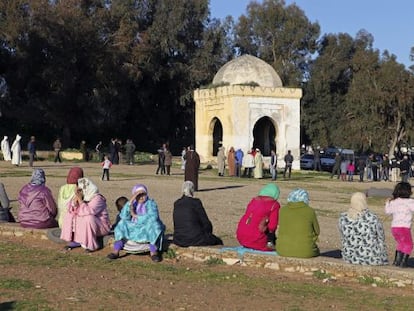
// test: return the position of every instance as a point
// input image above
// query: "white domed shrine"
(246, 107)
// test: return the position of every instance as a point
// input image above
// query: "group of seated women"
(83, 216)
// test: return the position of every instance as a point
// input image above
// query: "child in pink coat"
(401, 207)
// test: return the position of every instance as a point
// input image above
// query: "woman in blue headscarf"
(140, 223)
(298, 227)
(37, 205)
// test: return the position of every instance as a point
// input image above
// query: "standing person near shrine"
(192, 165)
(231, 162)
(258, 164)
(221, 161)
(99, 151)
(168, 157)
(288, 164)
(273, 164)
(248, 163)
(239, 162)
(129, 151)
(31, 148)
(57, 147)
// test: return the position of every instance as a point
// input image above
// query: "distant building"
(248, 108)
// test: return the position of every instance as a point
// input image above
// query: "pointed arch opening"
(217, 135)
(264, 136)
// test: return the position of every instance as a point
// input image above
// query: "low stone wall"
(326, 268)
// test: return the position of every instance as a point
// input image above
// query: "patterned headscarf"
(358, 205)
(38, 177)
(270, 190)
(88, 187)
(74, 174)
(298, 195)
(139, 207)
(188, 188)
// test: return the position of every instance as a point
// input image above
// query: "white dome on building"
(246, 69)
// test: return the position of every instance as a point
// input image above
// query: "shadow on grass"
(9, 305)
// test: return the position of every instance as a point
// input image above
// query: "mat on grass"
(241, 250)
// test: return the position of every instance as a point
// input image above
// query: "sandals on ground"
(155, 258)
(112, 256)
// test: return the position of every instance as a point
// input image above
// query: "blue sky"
(390, 22)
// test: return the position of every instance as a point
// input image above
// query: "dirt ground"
(224, 199)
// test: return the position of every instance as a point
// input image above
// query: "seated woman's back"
(298, 227)
(362, 234)
(37, 205)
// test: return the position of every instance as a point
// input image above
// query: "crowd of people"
(292, 230)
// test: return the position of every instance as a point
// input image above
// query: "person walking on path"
(161, 160)
(16, 150)
(288, 164)
(192, 165)
(57, 147)
(168, 157)
(31, 148)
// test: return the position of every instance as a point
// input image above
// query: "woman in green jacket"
(298, 227)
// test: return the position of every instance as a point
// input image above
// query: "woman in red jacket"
(256, 228)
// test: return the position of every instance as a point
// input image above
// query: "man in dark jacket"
(191, 224)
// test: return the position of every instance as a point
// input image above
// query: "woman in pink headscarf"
(86, 219)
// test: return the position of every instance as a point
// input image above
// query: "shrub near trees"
(92, 70)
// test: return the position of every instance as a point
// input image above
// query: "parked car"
(307, 162)
(327, 162)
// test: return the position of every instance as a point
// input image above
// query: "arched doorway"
(264, 136)
(217, 135)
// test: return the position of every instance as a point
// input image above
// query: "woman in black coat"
(191, 224)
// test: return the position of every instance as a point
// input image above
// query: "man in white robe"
(16, 150)
(5, 149)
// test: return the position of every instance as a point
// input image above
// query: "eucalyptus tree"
(382, 97)
(281, 35)
(323, 104)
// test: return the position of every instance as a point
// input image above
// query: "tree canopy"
(96, 69)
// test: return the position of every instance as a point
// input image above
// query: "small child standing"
(351, 171)
(401, 207)
(106, 165)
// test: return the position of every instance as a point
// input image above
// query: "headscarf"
(38, 177)
(88, 187)
(74, 174)
(188, 188)
(139, 207)
(298, 195)
(358, 205)
(270, 190)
